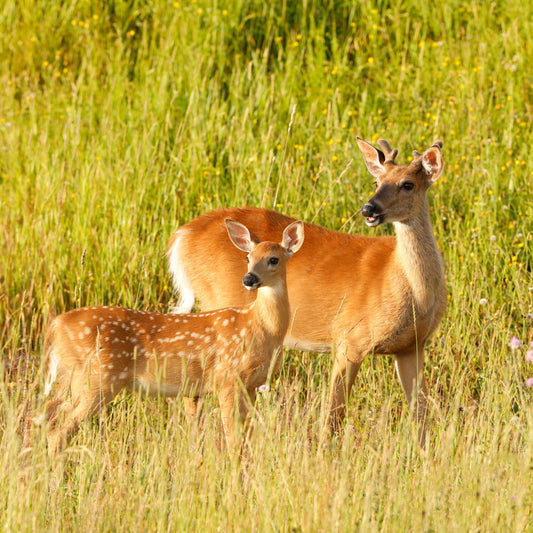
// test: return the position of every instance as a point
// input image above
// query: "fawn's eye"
(273, 261)
(247, 259)
(408, 186)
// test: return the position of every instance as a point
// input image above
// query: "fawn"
(354, 294)
(95, 352)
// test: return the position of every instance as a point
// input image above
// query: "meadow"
(121, 120)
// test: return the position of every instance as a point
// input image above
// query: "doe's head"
(400, 189)
(266, 260)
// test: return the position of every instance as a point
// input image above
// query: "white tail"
(361, 295)
(98, 351)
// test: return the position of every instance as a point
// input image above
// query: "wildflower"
(529, 382)
(529, 356)
(263, 388)
(483, 301)
(515, 343)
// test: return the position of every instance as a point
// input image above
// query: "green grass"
(119, 121)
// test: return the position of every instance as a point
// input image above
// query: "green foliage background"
(121, 120)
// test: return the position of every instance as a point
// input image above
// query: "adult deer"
(354, 294)
(95, 352)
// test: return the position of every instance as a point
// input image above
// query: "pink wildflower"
(515, 343)
(529, 356)
(529, 382)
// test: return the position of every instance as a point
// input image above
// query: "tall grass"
(121, 120)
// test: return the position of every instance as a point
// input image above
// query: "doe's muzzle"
(369, 210)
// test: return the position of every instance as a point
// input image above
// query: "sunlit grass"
(120, 121)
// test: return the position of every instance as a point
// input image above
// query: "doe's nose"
(369, 210)
(250, 281)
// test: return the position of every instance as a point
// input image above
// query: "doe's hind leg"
(343, 376)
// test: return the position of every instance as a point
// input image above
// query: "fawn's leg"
(196, 424)
(228, 399)
(191, 407)
(68, 413)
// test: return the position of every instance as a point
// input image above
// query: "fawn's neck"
(271, 308)
(419, 258)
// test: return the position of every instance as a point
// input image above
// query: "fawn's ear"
(374, 158)
(241, 236)
(293, 237)
(432, 161)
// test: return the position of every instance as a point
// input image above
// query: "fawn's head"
(400, 189)
(266, 260)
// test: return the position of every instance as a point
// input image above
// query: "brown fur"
(98, 351)
(360, 295)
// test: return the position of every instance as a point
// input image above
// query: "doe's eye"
(408, 186)
(273, 261)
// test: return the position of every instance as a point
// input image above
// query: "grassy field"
(121, 120)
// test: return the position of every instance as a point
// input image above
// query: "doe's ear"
(374, 158)
(293, 236)
(432, 162)
(241, 236)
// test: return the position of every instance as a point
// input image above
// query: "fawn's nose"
(251, 281)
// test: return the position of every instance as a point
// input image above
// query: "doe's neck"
(418, 256)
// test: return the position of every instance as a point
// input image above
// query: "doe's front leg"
(410, 369)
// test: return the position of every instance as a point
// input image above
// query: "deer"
(352, 295)
(95, 352)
